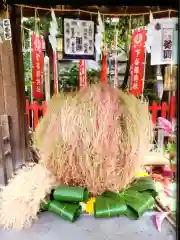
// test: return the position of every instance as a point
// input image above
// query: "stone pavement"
(87, 227)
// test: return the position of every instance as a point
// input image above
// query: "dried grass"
(95, 139)
(21, 198)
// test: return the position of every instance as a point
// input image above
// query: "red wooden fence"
(167, 111)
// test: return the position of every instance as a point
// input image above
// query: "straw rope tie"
(95, 13)
(63, 209)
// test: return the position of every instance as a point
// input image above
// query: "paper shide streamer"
(53, 30)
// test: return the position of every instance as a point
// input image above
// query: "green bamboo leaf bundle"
(107, 207)
(144, 184)
(139, 197)
(137, 202)
(71, 194)
(68, 211)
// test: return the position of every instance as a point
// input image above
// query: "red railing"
(37, 111)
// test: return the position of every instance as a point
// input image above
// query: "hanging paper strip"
(116, 72)
(37, 66)
(47, 78)
(116, 60)
(55, 73)
(110, 69)
(104, 68)
(82, 74)
(137, 61)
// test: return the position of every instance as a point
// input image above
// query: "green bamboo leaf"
(131, 214)
(113, 195)
(139, 197)
(44, 206)
(71, 194)
(108, 207)
(69, 211)
(139, 202)
(144, 184)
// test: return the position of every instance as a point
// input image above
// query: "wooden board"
(6, 166)
(156, 158)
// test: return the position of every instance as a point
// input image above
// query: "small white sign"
(164, 43)
(7, 29)
(78, 37)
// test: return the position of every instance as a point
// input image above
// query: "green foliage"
(150, 92)
(124, 25)
(69, 79)
(30, 24)
(42, 25)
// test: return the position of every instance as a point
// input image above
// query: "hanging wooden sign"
(137, 61)
(79, 38)
(82, 74)
(37, 66)
(164, 49)
(7, 29)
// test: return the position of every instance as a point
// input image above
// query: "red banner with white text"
(37, 65)
(82, 74)
(137, 61)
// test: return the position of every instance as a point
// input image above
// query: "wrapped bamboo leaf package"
(71, 194)
(106, 207)
(69, 211)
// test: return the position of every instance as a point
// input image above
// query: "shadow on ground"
(50, 226)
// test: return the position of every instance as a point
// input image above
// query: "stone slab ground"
(52, 227)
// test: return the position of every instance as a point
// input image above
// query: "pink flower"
(165, 124)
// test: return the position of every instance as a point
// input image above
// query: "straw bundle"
(20, 200)
(95, 139)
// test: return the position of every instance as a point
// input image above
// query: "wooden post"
(18, 109)
(172, 110)
(164, 109)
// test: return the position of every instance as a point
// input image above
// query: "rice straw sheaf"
(95, 139)
(21, 198)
